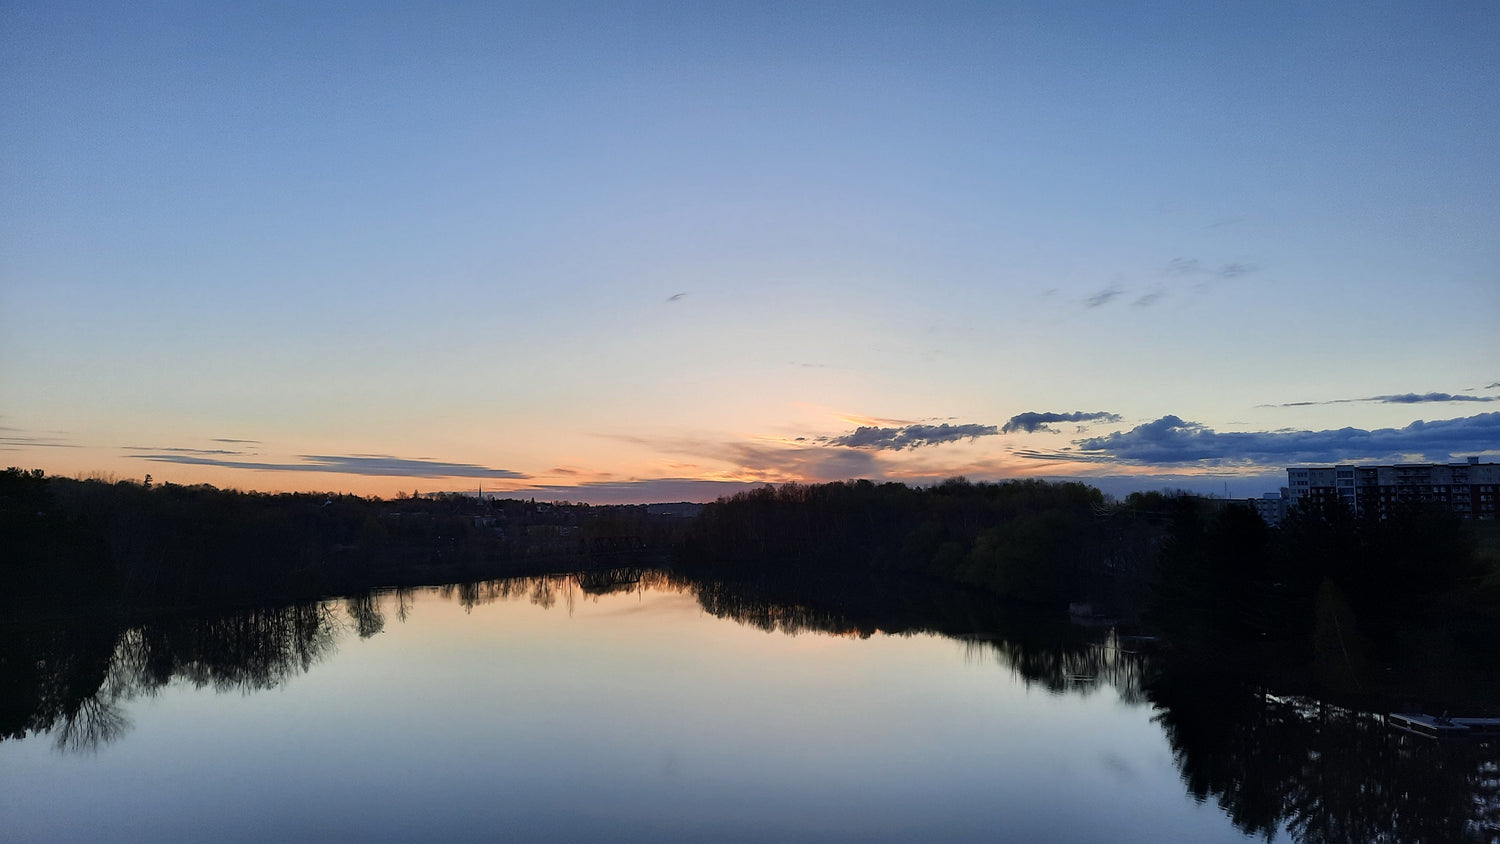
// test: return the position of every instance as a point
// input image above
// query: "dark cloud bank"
(1171, 441)
(909, 436)
(1033, 422)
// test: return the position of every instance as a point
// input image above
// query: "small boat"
(1442, 726)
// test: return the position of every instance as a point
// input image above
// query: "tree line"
(66, 541)
(1326, 587)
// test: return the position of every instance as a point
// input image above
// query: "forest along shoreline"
(1405, 607)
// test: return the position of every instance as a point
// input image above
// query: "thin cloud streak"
(376, 465)
(37, 442)
(180, 450)
(1397, 398)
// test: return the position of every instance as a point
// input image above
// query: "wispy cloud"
(1397, 398)
(1171, 441)
(1191, 267)
(779, 463)
(1033, 422)
(1063, 455)
(1183, 266)
(1103, 297)
(1146, 300)
(240, 442)
(381, 465)
(37, 442)
(908, 436)
(182, 450)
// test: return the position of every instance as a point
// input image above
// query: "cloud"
(380, 465)
(1103, 296)
(183, 450)
(229, 440)
(779, 463)
(1064, 455)
(1183, 266)
(1172, 441)
(908, 436)
(1033, 422)
(1235, 270)
(36, 442)
(769, 460)
(1398, 398)
(1148, 299)
(1187, 267)
(1413, 398)
(676, 297)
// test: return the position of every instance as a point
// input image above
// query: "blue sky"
(617, 251)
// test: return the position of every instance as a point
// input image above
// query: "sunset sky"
(654, 252)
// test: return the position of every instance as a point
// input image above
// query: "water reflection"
(1318, 771)
(71, 680)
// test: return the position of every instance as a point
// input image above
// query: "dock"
(1440, 726)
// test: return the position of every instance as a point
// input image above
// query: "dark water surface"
(631, 705)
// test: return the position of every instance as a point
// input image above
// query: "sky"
(628, 252)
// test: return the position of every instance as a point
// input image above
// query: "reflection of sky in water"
(631, 715)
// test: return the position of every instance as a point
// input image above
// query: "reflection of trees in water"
(1072, 667)
(1040, 650)
(95, 722)
(1322, 772)
(60, 681)
(724, 600)
(541, 590)
(242, 651)
(72, 682)
(364, 611)
(546, 590)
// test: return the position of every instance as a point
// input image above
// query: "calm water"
(537, 710)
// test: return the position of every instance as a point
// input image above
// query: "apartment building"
(1471, 489)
